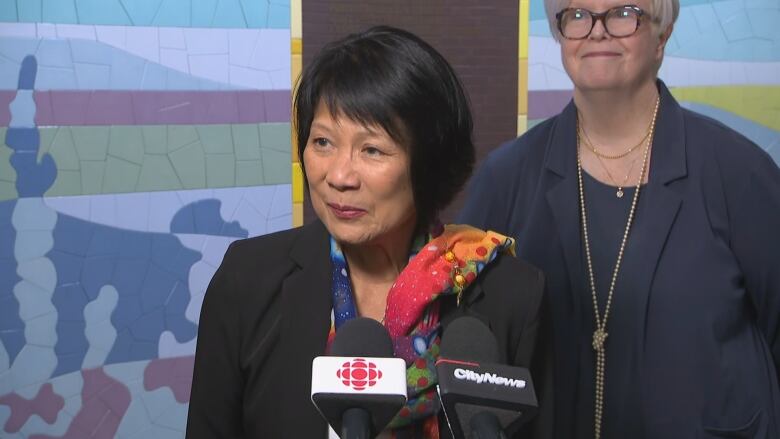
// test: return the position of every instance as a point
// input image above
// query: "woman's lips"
(346, 212)
(600, 54)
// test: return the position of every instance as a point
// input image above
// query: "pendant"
(619, 192)
(599, 337)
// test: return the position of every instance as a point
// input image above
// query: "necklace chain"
(621, 185)
(592, 147)
(600, 333)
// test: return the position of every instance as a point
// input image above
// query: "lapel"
(658, 205)
(563, 199)
(306, 306)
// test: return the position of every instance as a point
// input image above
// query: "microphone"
(482, 399)
(359, 388)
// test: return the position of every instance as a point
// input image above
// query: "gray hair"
(664, 13)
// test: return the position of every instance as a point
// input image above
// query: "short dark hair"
(391, 78)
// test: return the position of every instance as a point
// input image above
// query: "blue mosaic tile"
(203, 13)
(98, 272)
(256, 13)
(29, 11)
(8, 12)
(27, 73)
(55, 11)
(175, 13)
(157, 286)
(204, 217)
(110, 12)
(11, 325)
(142, 11)
(70, 299)
(134, 245)
(229, 14)
(72, 239)
(148, 329)
(279, 15)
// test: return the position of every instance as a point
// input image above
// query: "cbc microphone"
(482, 399)
(359, 387)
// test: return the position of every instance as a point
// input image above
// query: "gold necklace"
(600, 333)
(620, 186)
(620, 155)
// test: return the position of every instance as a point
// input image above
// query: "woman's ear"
(663, 38)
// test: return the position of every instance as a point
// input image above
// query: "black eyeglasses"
(619, 22)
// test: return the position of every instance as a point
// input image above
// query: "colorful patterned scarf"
(446, 265)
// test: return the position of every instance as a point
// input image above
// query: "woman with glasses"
(658, 230)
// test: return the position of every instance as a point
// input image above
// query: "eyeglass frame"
(602, 16)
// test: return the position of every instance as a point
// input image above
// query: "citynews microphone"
(482, 399)
(359, 387)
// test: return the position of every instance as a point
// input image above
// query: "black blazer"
(266, 315)
(703, 257)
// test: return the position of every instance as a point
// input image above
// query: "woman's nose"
(599, 30)
(342, 173)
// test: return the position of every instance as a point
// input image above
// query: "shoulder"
(258, 266)
(260, 249)
(732, 150)
(529, 148)
(511, 294)
(512, 280)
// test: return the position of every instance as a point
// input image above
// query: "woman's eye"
(373, 151)
(320, 141)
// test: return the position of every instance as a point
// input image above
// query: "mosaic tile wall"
(139, 138)
(723, 60)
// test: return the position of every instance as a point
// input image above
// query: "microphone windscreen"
(469, 339)
(362, 337)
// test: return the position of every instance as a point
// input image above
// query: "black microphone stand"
(356, 424)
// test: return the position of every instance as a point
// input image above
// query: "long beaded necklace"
(600, 333)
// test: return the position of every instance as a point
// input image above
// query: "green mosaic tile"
(62, 148)
(275, 136)
(47, 136)
(92, 177)
(155, 139)
(121, 176)
(221, 170)
(249, 173)
(181, 135)
(7, 172)
(216, 139)
(126, 142)
(157, 174)
(67, 183)
(246, 142)
(8, 191)
(189, 163)
(121, 159)
(276, 167)
(91, 142)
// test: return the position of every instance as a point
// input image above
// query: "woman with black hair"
(384, 133)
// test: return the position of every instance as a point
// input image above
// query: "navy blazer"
(703, 257)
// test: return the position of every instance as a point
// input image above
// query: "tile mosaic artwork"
(137, 143)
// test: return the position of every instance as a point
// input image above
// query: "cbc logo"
(359, 374)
